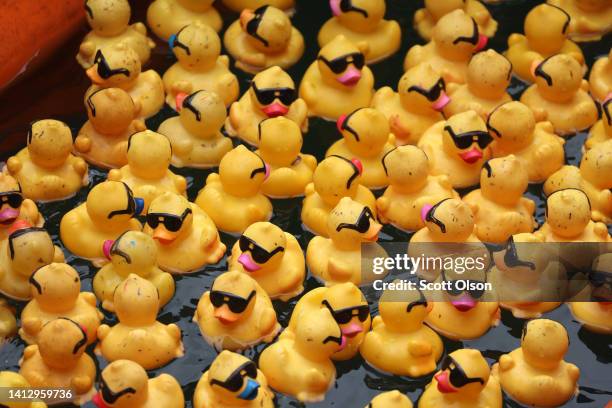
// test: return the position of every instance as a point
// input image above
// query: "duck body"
(600, 83)
(167, 17)
(595, 316)
(590, 20)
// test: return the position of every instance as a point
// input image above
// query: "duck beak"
(225, 316)
(334, 5)
(372, 233)
(534, 66)
(274, 110)
(464, 303)
(248, 263)
(98, 401)
(8, 215)
(471, 156)
(246, 16)
(444, 385)
(178, 100)
(482, 42)
(92, 73)
(350, 77)
(106, 248)
(267, 171)
(163, 236)
(351, 330)
(441, 102)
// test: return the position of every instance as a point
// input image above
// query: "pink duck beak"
(334, 5)
(106, 248)
(248, 263)
(274, 110)
(425, 210)
(8, 215)
(482, 42)
(350, 77)
(471, 156)
(441, 102)
(444, 385)
(352, 330)
(464, 303)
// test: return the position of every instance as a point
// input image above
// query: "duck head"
(61, 343)
(365, 131)
(465, 137)
(234, 377)
(202, 113)
(267, 28)
(262, 247)
(440, 8)
(317, 335)
(512, 124)
(149, 154)
(390, 399)
(55, 287)
(233, 296)
(457, 36)
(404, 310)
(558, 78)
(116, 66)
(546, 28)
(336, 177)
(521, 256)
(450, 220)
(544, 343)
(29, 248)
(504, 180)
(350, 223)
(568, 212)
(111, 110)
(596, 165)
(111, 205)
(272, 92)
(489, 74)
(196, 46)
(123, 384)
(11, 199)
(108, 18)
(242, 172)
(463, 371)
(422, 89)
(132, 251)
(407, 168)
(358, 15)
(136, 301)
(340, 63)
(49, 143)
(280, 141)
(349, 308)
(170, 217)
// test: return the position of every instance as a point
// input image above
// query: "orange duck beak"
(163, 236)
(225, 316)
(92, 73)
(372, 233)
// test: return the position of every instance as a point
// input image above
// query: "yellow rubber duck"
(16, 381)
(56, 290)
(411, 186)
(400, 343)
(113, 117)
(590, 19)
(448, 220)
(365, 136)
(139, 336)
(233, 381)
(535, 145)
(300, 365)
(239, 5)
(132, 252)
(338, 82)
(390, 399)
(168, 17)
(499, 208)
(147, 173)
(560, 95)
(425, 19)
(107, 213)
(454, 39)
(561, 227)
(458, 147)
(118, 66)
(187, 238)
(362, 22)
(527, 276)
(233, 197)
(348, 307)
(236, 313)
(14, 206)
(124, 384)
(595, 314)
(488, 76)
(337, 259)
(464, 381)
(272, 257)
(417, 104)
(59, 360)
(46, 169)
(8, 324)
(592, 177)
(195, 134)
(335, 177)
(199, 66)
(272, 93)
(263, 38)
(600, 82)
(110, 24)
(546, 34)
(602, 129)
(535, 373)
(22, 253)
(280, 143)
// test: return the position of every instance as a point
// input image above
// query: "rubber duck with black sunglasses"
(236, 314)
(14, 206)
(167, 17)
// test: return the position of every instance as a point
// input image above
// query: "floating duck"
(366, 137)
(272, 93)
(263, 38)
(337, 259)
(118, 66)
(14, 206)
(464, 381)
(300, 365)
(24, 251)
(59, 360)
(362, 22)
(45, 169)
(108, 212)
(600, 83)
(56, 290)
(103, 139)
(335, 177)
(454, 39)
(499, 208)
(458, 147)
(8, 324)
(592, 177)
(139, 336)
(200, 66)
(425, 19)
(535, 373)
(233, 197)
(602, 130)
(449, 220)
(186, 236)
(545, 35)
(233, 380)
(390, 399)
(411, 186)
(488, 76)
(348, 307)
(110, 24)
(167, 17)
(123, 384)
(561, 227)
(400, 343)
(272, 257)
(280, 143)
(416, 105)
(132, 252)
(560, 95)
(535, 145)
(590, 19)
(338, 82)
(9, 379)
(195, 134)
(236, 313)
(146, 174)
